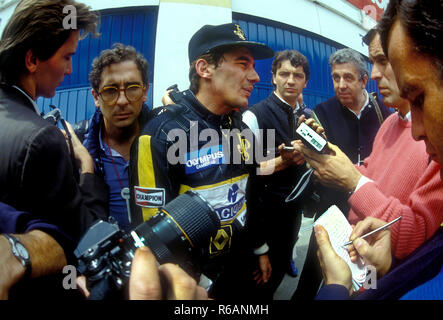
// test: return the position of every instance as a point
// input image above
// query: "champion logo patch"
(149, 197)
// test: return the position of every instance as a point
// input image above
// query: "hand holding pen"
(383, 227)
(375, 249)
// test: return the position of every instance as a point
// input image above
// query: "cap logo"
(239, 32)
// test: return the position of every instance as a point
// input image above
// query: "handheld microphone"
(53, 116)
(312, 139)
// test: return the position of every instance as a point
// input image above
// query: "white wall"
(108, 4)
(4, 16)
(313, 17)
(176, 24)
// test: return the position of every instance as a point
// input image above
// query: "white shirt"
(366, 104)
(30, 99)
(250, 119)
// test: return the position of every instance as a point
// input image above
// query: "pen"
(374, 231)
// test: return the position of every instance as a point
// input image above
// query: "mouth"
(344, 95)
(430, 151)
(122, 116)
(384, 91)
(248, 91)
(436, 158)
(433, 156)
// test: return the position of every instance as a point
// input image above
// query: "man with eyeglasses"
(119, 80)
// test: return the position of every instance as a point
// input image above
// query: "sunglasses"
(110, 94)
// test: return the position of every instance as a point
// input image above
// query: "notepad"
(339, 231)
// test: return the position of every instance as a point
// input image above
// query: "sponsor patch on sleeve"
(203, 159)
(149, 197)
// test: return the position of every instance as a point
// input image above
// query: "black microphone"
(53, 116)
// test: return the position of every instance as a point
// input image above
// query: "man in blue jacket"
(352, 118)
(119, 80)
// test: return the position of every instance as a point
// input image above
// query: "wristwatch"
(21, 253)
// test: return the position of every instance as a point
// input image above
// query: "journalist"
(36, 172)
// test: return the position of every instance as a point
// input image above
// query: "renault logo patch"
(222, 241)
(149, 197)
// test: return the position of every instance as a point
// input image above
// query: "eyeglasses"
(110, 94)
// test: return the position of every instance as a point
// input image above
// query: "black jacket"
(272, 113)
(273, 217)
(36, 173)
(352, 135)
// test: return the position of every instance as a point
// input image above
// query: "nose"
(253, 76)
(418, 129)
(69, 68)
(122, 100)
(375, 73)
(342, 83)
(291, 79)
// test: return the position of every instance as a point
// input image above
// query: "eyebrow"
(289, 71)
(125, 83)
(343, 75)
(245, 58)
(378, 56)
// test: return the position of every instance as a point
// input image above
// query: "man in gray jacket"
(36, 172)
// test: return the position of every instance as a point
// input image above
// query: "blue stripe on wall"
(280, 37)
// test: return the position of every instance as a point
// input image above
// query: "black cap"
(210, 37)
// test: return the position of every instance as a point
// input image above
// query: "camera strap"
(71, 148)
(301, 186)
(125, 190)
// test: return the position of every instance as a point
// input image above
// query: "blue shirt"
(117, 205)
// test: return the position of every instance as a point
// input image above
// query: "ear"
(306, 83)
(365, 80)
(96, 98)
(203, 69)
(273, 80)
(145, 94)
(31, 61)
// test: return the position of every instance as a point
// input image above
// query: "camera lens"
(179, 228)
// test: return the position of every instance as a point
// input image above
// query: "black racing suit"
(218, 172)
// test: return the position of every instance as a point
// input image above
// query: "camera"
(175, 94)
(312, 139)
(53, 116)
(179, 233)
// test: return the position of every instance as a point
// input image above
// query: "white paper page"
(339, 231)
